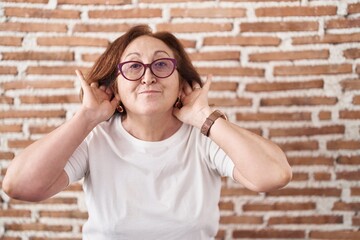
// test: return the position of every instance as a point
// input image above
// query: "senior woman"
(149, 148)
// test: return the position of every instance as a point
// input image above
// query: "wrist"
(210, 120)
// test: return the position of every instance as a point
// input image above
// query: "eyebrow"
(156, 52)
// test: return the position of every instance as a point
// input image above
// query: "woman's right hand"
(97, 103)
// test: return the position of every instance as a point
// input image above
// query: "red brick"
(17, 213)
(300, 146)
(295, 11)
(350, 84)
(321, 192)
(276, 116)
(279, 206)
(354, 8)
(281, 86)
(41, 13)
(307, 131)
(204, 12)
(353, 160)
(327, 161)
(20, 143)
(237, 192)
(215, 56)
(325, 115)
(242, 41)
(352, 53)
(343, 144)
(348, 114)
(33, 114)
(6, 100)
(279, 26)
(226, 206)
(224, 86)
(348, 175)
(339, 234)
(313, 219)
(10, 41)
(38, 84)
(41, 129)
(327, 38)
(118, 28)
(342, 23)
(126, 13)
(32, 27)
(356, 100)
(226, 102)
(298, 101)
(90, 57)
(6, 155)
(8, 70)
(312, 70)
(50, 99)
(95, 2)
(346, 206)
(37, 227)
(231, 71)
(30, 55)
(289, 55)
(269, 233)
(355, 191)
(27, 1)
(194, 27)
(64, 214)
(322, 176)
(10, 128)
(49, 70)
(240, 220)
(72, 41)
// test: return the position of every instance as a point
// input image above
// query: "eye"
(135, 66)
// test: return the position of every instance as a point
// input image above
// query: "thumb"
(207, 84)
(84, 84)
(115, 101)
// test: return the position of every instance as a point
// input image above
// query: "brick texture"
(285, 69)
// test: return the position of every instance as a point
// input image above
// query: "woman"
(149, 147)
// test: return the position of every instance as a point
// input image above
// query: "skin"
(37, 173)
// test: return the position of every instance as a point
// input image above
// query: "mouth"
(149, 92)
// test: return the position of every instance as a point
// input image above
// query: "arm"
(260, 165)
(38, 172)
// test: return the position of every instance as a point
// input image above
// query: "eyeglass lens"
(161, 68)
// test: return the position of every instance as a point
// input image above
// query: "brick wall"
(285, 69)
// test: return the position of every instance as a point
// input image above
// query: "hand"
(97, 103)
(195, 108)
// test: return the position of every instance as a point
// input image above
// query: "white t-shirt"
(137, 189)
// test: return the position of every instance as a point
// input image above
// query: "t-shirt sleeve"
(77, 165)
(219, 160)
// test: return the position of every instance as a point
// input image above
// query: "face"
(150, 94)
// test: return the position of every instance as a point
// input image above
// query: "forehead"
(147, 46)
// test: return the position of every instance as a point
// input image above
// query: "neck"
(151, 128)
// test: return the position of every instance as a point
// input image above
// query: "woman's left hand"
(195, 107)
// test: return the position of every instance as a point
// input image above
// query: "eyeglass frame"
(147, 65)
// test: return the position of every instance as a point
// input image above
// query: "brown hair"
(105, 71)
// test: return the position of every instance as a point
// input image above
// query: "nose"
(148, 77)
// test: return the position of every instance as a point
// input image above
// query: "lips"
(149, 91)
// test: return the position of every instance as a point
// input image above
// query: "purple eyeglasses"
(135, 70)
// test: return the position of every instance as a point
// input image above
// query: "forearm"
(39, 166)
(259, 163)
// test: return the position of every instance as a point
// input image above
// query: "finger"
(94, 84)
(196, 86)
(187, 88)
(207, 84)
(84, 84)
(115, 101)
